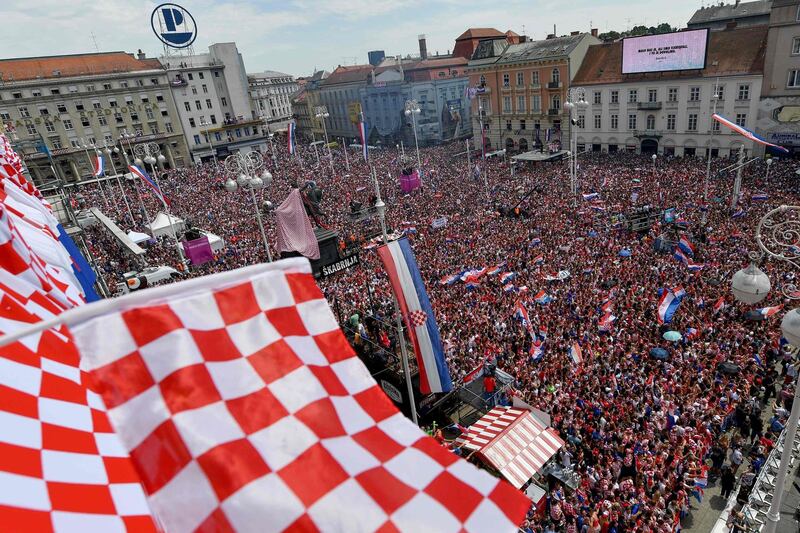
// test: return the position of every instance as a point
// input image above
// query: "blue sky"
(295, 36)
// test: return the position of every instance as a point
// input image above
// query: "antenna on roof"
(94, 40)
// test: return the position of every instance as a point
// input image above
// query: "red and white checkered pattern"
(417, 318)
(62, 468)
(512, 441)
(243, 407)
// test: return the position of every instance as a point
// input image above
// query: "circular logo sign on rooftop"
(173, 25)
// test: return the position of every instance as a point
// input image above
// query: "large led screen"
(683, 50)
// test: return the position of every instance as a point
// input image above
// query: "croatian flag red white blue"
(667, 306)
(686, 245)
(291, 138)
(741, 130)
(575, 354)
(406, 280)
(99, 168)
(362, 131)
(144, 176)
(767, 312)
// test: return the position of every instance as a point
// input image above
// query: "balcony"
(648, 133)
(535, 86)
(648, 106)
(554, 112)
(554, 85)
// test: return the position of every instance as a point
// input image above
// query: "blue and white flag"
(423, 332)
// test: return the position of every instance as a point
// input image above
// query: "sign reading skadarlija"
(173, 25)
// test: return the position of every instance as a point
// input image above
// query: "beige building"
(779, 109)
(271, 97)
(64, 102)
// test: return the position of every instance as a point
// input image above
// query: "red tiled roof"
(735, 51)
(30, 68)
(480, 33)
(348, 74)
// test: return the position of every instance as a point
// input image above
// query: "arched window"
(651, 122)
(556, 104)
(556, 77)
(483, 80)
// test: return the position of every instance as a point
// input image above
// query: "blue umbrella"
(624, 253)
(672, 336)
(592, 233)
(659, 353)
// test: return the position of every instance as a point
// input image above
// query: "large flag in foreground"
(409, 289)
(241, 405)
(741, 130)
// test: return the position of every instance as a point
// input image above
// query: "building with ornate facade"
(61, 103)
(271, 97)
(670, 112)
(521, 87)
(212, 95)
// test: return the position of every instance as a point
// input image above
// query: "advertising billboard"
(683, 50)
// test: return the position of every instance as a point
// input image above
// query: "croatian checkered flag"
(243, 408)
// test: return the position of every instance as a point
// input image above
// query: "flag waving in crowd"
(145, 177)
(99, 168)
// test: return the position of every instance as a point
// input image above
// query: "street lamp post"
(346, 157)
(576, 100)
(205, 124)
(654, 157)
(412, 110)
(108, 152)
(151, 154)
(750, 285)
(485, 170)
(321, 112)
(737, 183)
(265, 118)
(91, 165)
(769, 165)
(125, 136)
(715, 98)
(246, 167)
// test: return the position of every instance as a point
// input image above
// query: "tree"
(609, 36)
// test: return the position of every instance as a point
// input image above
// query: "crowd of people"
(643, 433)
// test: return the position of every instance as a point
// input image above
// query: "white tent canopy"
(161, 225)
(137, 237)
(215, 241)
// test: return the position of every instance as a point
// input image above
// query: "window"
(191, 77)
(108, 139)
(631, 122)
(522, 124)
(216, 74)
(168, 127)
(796, 46)
(536, 103)
(135, 117)
(96, 105)
(614, 97)
(506, 80)
(694, 94)
(144, 99)
(128, 100)
(714, 125)
(106, 86)
(85, 122)
(597, 122)
(16, 95)
(208, 103)
(198, 105)
(23, 112)
(92, 141)
(692, 122)
(56, 142)
(123, 84)
(55, 91)
(153, 81)
(741, 119)
(556, 76)
(44, 111)
(535, 77)
(196, 139)
(213, 119)
(238, 132)
(633, 96)
(506, 104)
(102, 120)
(720, 90)
(520, 104)
(482, 81)
(651, 122)
(159, 97)
(520, 78)
(205, 88)
(218, 136)
(79, 106)
(50, 127)
(794, 78)
(62, 108)
(508, 125)
(90, 88)
(200, 75)
(556, 102)
(118, 118)
(194, 89)
(652, 95)
(597, 97)
(31, 129)
(671, 122)
(164, 113)
(191, 122)
(4, 115)
(672, 94)
(188, 106)
(36, 92)
(582, 121)
(112, 103)
(140, 83)
(67, 124)
(744, 92)
(149, 113)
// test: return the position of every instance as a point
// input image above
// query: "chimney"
(140, 54)
(574, 33)
(551, 36)
(594, 32)
(423, 47)
(730, 25)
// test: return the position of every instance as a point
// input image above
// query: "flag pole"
(381, 208)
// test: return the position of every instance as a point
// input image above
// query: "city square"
(530, 284)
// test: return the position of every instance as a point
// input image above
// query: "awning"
(513, 442)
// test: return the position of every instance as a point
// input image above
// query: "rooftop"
(545, 49)
(480, 33)
(348, 74)
(731, 11)
(730, 52)
(269, 74)
(31, 68)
